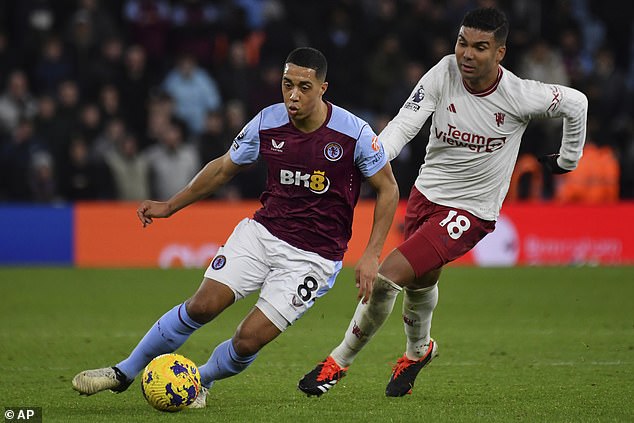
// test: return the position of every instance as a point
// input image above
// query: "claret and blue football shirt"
(313, 179)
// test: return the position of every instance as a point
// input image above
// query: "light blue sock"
(224, 362)
(168, 333)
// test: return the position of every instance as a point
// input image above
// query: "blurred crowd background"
(128, 99)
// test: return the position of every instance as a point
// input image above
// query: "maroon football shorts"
(436, 235)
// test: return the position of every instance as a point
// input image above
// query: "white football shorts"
(289, 279)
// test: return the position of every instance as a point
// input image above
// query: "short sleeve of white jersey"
(245, 148)
(369, 154)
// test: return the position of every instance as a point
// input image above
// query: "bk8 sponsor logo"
(316, 182)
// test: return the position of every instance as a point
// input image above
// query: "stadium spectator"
(129, 169)
(607, 92)
(213, 143)
(90, 122)
(268, 87)
(68, 107)
(16, 161)
(421, 26)
(106, 68)
(48, 129)
(477, 126)
(16, 102)
(401, 86)
(110, 102)
(543, 63)
(250, 183)
(384, 63)
(100, 17)
(111, 136)
(194, 92)
(82, 177)
(193, 29)
(271, 252)
(342, 43)
(236, 115)
(148, 23)
(52, 67)
(160, 114)
(215, 139)
(136, 84)
(30, 23)
(577, 62)
(385, 18)
(42, 181)
(236, 78)
(82, 43)
(173, 162)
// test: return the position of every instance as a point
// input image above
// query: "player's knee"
(397, 269)
(200, 311)
(246, 345)
(426, 280)
(384, 285)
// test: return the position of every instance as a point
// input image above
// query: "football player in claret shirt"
(480, 111)
(291, 250)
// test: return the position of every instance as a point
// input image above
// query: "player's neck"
(314, 121)
(482, 84)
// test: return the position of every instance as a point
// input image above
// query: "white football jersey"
(475, 137)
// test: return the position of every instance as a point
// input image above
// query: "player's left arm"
(387, 196)
(572, 106)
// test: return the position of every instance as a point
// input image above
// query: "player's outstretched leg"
(366, 321)
(90, 382)
(405, 371)
(322, 378)
(165, 336)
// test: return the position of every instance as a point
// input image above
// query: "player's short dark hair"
(488, 19)
(308, 57)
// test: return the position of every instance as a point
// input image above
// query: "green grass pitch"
(516, 344)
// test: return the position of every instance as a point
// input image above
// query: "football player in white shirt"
(480, 112)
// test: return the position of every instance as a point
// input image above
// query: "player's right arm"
(415, 111)
(243, 152)
(215, 174)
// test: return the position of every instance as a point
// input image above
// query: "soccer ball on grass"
(170, 382)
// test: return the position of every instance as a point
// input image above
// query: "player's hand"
(148, 209)
(549, 161)
(365, 273)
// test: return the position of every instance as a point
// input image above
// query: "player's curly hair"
(488, 19)
(308, 57)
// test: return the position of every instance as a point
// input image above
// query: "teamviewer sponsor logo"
(474, 142)
(23, 414)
